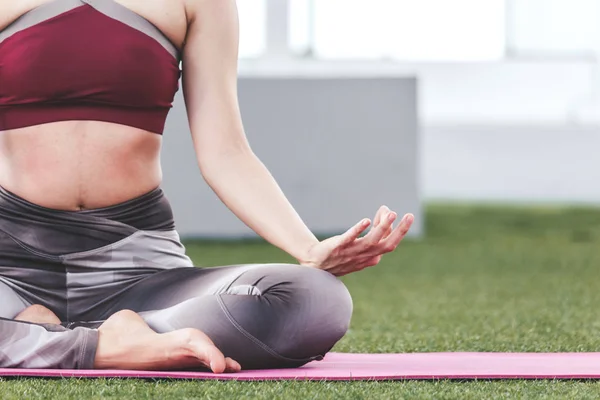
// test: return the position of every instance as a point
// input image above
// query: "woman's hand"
(346, 253)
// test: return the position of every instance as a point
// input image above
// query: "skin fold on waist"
(78, 165)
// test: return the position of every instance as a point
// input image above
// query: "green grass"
(484, 279)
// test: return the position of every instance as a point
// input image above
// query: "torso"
(75, 165)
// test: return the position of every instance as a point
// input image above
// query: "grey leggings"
(85, 266)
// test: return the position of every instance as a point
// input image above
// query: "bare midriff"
(78, 165)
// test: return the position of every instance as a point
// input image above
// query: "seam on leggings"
(82, 351)
(68, 256)
(231, 282)
(255, 340)
(9, 285)
(30, 250)
(227, 285)
(111, 246)
(88, 336)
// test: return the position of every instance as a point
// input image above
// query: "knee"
(297, 288)
(324, 295)
(319, 314)
(38, 314)
(282, 315)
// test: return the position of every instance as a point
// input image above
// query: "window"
(553, 26)
(253, 25)
(427, 30)
(301, 29)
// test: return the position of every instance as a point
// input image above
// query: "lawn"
(484, 279)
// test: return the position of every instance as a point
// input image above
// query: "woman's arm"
(225, 158)
(232, 170)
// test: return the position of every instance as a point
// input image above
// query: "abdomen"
(78, 165)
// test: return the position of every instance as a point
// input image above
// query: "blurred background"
(482, 117)
(356, 103)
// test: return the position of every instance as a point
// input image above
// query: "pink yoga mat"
(338, 366)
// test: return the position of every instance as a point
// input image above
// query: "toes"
(205, 351)
(232, 365)
(216, 360)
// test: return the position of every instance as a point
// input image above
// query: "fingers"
(382, 227)
(383, 238)
(380, 231)
(380, 213)
(388, 233)
(392, 241)
(362, 263)
(360, 253)
(353, 233)
(371, 262)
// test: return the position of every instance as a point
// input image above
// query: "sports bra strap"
(109, 8)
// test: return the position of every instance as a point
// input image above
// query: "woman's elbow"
(214, 158)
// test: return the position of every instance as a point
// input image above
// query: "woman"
(92, 273)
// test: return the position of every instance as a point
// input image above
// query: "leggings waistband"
(56, 232)
(151, 211)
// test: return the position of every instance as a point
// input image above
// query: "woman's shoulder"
(10, 10)
(205, 8)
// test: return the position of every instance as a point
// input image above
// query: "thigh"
(161, 290)
(192, 298)
(264, 315)
(171, 287)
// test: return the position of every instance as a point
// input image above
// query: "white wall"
(514, 92)
(511, 164)
(339, 148)
(508, 92)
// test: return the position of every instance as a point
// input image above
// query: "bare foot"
(38, 314)
(127, 342)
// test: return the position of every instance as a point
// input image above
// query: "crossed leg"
(263, 316)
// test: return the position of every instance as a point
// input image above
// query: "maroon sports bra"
(86, 60)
